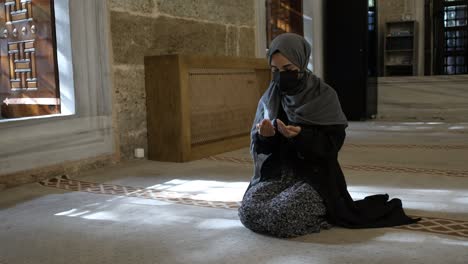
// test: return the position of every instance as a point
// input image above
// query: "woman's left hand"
(288, 131)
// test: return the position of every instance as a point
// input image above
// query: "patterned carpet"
(68, 184)
(363, 167)
(408, 146)
(450, 227)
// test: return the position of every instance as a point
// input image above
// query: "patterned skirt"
(285, 207)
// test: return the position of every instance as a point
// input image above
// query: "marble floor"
(153, 212)
(425, 98)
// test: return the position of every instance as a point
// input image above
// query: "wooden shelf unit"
(400, 48)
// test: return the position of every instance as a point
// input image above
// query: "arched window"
(84, 127)
(451, 36)
(283, 16)
(29, 83)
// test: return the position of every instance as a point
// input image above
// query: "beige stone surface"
(71, 169)
(130, 107)
(392, 9)
(237, 12)
(247, 35)
(137, 36)
(232, 40)
(143, 6)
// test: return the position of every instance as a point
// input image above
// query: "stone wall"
(156, 27)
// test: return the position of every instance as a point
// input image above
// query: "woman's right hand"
(266, 128)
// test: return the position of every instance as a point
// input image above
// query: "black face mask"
(289, 81)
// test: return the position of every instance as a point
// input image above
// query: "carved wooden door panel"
(29, 79)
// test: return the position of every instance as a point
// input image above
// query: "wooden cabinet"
(400, 48)
(199, 106)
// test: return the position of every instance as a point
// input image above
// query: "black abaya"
(313, 156)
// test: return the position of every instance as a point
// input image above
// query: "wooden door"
(28, 68)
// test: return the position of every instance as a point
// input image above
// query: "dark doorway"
(350, 55)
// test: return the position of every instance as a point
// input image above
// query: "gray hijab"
(315, 103)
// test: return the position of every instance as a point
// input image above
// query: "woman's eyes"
(276, 70)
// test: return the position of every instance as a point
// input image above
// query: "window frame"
(89, 131)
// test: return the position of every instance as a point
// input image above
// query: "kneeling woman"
(298, 186)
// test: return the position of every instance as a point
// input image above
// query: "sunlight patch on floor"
(205, 190)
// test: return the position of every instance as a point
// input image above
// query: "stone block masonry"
(155, 27)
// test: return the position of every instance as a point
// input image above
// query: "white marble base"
(425, 98)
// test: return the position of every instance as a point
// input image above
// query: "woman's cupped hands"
(267, 129)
